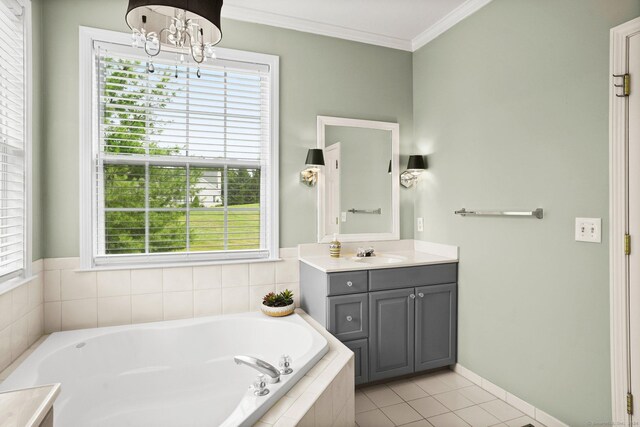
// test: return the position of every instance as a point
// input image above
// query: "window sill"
(134, 266)
(14, 283)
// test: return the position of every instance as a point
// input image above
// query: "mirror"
(358, 188)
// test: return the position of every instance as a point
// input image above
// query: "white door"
(634, 221)
(332, 185)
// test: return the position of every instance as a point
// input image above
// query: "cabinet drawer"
(395, 278)
(361, 360)
(350, 282)
(348, 316)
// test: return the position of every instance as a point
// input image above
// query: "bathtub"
(173, 373)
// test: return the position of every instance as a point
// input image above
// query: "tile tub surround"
(21, 317)
(413, 252)
(76, 299)
(322, 398)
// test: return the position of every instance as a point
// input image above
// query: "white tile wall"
(74, 299)
(21, 317)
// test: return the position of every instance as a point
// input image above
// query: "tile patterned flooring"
(439, 399)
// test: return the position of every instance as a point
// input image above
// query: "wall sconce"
(315, 159)
(415, 167)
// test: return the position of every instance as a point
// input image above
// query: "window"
(184, 165)
(13, 140)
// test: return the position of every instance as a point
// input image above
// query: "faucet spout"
(272, 374)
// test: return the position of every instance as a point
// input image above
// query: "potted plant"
(278, 305)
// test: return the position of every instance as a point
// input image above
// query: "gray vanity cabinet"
(391, 335)
(436, 321)
(396, 320)
(360, 350)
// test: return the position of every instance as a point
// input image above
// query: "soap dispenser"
(334, 247)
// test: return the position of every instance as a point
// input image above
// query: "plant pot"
(278, 311)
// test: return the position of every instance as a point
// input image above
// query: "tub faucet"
(272, 375)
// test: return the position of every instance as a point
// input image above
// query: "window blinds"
(12, 140)
(181, 160)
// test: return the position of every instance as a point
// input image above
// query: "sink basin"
(379, 259)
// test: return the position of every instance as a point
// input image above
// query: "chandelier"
(191, 26)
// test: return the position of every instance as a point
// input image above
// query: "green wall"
(318, 76)
(37, 145)
(511, 106)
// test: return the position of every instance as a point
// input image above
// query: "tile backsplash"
(85, 299)
(21, 317)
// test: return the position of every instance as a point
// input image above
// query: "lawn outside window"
(183, 168)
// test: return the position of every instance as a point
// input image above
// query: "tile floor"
(440, 399)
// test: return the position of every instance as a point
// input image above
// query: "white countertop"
(392, 255)
(27, 407)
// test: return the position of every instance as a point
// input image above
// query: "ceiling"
(400, 24)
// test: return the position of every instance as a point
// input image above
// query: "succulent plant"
(282, 299)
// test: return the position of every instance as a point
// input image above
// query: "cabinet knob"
(349, 283)
(349, 318)
(412, 296)
(421, 295)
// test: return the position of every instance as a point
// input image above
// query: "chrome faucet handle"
(260, 386)
(285, 364)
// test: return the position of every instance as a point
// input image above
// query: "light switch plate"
(589, 230)
(344, 216)
(420, 224)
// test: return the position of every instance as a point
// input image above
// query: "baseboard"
(513, 400)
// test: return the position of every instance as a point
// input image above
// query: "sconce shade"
(158, 14)
(416, 163)
(315, 157)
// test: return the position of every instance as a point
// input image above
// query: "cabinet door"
(361, 360)
(391, 333)
(435, 326)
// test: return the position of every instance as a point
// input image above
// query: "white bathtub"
(175, 373)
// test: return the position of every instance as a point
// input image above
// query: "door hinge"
(629, 403)
(625, 86)
(627, 244)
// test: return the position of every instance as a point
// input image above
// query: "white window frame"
(88, 114)
(22, 276)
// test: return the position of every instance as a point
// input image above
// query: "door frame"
(333, 147)
(618, 213)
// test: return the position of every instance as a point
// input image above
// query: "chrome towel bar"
(366, 211)
(538, 213)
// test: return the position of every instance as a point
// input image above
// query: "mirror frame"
(395, 179)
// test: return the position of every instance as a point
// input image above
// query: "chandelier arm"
(193, 56)
(146, 50)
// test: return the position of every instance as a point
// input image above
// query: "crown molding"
(276, 20)
(308, 26)
(452, 18)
